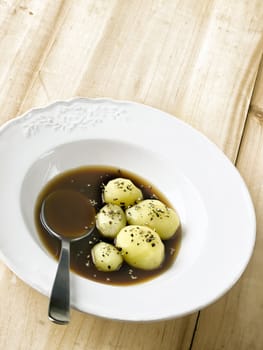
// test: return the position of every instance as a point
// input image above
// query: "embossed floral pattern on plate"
(72, 115)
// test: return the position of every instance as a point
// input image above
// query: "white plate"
(210, 196)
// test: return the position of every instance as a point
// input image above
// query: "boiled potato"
(110, 220)
(106, 257)
(122, 192)
(156, 215)
(140, 246)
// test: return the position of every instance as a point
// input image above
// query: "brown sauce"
(68, 213)
(90, 181)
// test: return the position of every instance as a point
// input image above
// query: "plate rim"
(15, 120)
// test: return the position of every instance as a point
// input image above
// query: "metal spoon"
(69, 216)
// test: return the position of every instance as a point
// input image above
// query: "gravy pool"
(90, 180)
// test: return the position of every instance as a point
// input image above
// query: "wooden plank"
(195, 71)
(235, 321)
(27, 32)
(194, 59)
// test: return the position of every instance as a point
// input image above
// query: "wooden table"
(198, 60)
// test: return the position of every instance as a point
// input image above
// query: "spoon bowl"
(69, 216)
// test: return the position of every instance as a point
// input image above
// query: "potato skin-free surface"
(156, 215)
(110, 220)
(141, 247)
(122, 192)
(106, 257)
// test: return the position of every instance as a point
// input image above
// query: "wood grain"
(235, 321)
(195, 59)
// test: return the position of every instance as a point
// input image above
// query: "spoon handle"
(59, 305)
